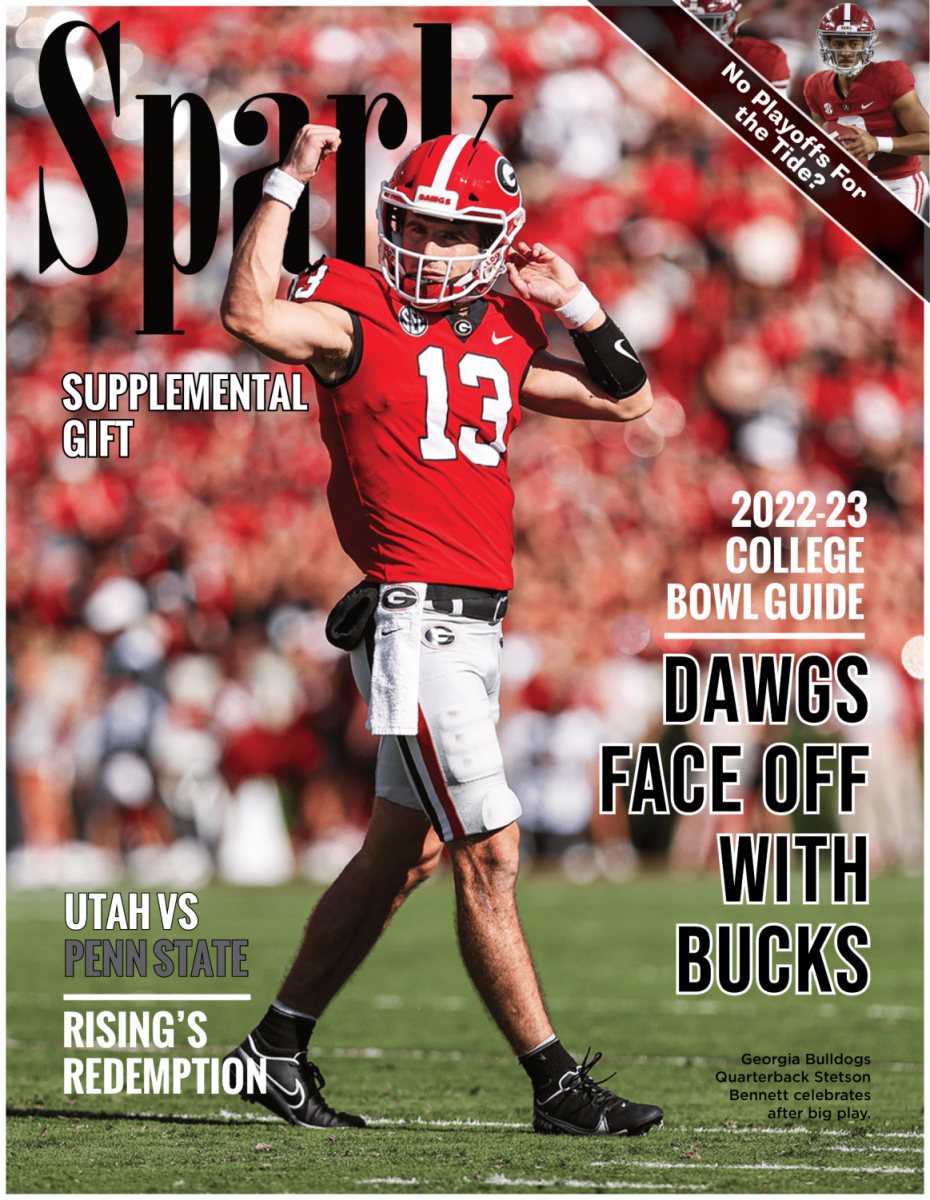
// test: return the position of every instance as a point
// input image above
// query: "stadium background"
(174, 707)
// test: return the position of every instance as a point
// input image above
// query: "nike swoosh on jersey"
(497, 340)
(869, 105)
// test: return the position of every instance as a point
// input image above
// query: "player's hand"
(310, 147)
(859, 143)
(537, 273)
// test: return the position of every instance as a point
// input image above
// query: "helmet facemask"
(719, 24)
(831, 56)
(451, 178)
(716, 23)
(404, 269)
(719, 16)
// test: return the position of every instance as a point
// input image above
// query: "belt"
(479, 604)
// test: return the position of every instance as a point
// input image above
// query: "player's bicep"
(911, 114)
(297, 333)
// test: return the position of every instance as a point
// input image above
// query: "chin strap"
(610, 359)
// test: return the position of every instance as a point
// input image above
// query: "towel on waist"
(395, 670)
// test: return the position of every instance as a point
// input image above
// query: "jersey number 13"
(473, 368)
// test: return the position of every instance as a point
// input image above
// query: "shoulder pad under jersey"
(333, 281)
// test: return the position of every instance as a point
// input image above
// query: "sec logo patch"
(438, 635)
(412, 321)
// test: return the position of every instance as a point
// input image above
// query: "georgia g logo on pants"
(438, 635)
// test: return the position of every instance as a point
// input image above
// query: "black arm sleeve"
(610, 359)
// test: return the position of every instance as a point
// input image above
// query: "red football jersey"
(766, 58)
(417, 430)
(873, 92)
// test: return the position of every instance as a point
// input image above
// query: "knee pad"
(500, 807)
(467, 740)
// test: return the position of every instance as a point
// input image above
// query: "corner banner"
(781, 134)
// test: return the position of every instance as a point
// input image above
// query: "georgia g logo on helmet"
(845, 22)
(506, 176)
(449, 178)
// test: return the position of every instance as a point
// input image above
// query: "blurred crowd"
(174, 708)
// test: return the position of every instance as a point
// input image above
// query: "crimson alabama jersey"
(873, 91)
(417, 429)
(766, 58)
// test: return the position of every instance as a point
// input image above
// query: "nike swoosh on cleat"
(298, 1091)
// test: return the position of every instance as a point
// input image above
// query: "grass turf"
(408, 1045)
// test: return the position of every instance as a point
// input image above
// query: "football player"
(422, 370)
(764, 57)
(870, 107)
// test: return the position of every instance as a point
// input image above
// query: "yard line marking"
(797, 1129)
(234, 1116)
(157, 996)
(763, 1166)
(895, 1012)
(885, 1150)
(469, 1124)
(226, 1114)
(459, 1123)
(503, 1181)
(371, 1121)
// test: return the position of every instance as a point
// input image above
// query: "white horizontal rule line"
(157, 996)
(826, 635)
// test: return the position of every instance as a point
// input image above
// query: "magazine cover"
(465, 475)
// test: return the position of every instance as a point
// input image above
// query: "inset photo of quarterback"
(465, 538)
(867, 99)
(871, 108)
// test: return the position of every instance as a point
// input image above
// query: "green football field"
(408, 1045)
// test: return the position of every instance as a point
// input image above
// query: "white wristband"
(579, 310)
(281, 186)
(885, 145)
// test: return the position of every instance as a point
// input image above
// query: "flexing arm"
(280, 329)
(560, 387)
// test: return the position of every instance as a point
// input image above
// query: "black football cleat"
(293, 1087)
(582, 1107)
